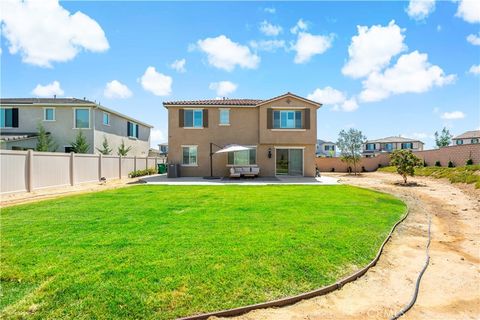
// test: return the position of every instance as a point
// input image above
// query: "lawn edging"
(307, 295)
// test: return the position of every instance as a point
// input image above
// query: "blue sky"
(408, 70)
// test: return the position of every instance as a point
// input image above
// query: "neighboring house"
(326, 149)
(62, 118)
(163, 148)
(372, 148)
(279, 132)
(469, 137)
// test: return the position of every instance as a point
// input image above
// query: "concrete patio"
(162, 179)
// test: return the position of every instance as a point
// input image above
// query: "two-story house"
(469, 137)
(326, 148)
(279, 134)
(63, 118)
(371, 148)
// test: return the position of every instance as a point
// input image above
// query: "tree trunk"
(404, 179)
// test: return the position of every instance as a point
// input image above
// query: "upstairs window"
(474, 140)
(329, 148)
(106, 118)
(287, 119)
(242, 158)
(224, 117)
(49, 114)
(389, 146)
(459, 141)
(132, 130)
(370, 146)
(193, 118)
(407, 145)
(82, 118)
(9, 118)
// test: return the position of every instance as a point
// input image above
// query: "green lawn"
(160, 252)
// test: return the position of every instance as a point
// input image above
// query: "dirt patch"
(51, 193)
(450, 287)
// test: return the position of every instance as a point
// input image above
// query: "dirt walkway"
(450, 288)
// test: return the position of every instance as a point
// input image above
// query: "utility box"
(173, 170)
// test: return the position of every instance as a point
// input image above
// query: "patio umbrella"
(232, 148)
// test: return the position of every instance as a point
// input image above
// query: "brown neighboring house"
(469, 137)
(372, 148)
(279, 132)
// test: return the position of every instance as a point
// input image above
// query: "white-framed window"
(7, 118)
(193, 118)
(81, 118)
(189, 155)
(224, 117)
(48, 114)
(407, 145)
(459, 141)
(329, 148)
(287, 119)
(106, 118)
(132, 129)
(370, 146)
(242, 158)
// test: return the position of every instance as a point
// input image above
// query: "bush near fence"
(26, 171)
(458, 155)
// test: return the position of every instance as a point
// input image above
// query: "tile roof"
(392, 139)
(469, 134)
(214, 102)
(44, 100)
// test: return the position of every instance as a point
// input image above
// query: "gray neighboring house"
(469, 137)
(62, 118)
(326, 148)
(371, 148)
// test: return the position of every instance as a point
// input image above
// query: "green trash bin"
(162, 168)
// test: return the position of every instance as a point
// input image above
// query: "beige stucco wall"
(248, 126)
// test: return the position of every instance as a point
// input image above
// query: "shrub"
(405, 162)
(438, 164)
(469, 162)
(141, 173)
(424, 163)
(333, 170)
(450, 164)
(379, 165)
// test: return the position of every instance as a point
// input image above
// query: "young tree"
(80, 144)
(44, 140)
(105, 150)
(443, 139)
(122, 150)
(350, 145)
(405, 161)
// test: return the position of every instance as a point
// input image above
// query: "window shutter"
(129, 129)
(269, 118)
(136, 132)
(307, 119)
(15, 118)
(205, 118)
(181, 115)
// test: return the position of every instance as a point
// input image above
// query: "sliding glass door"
(289, 162)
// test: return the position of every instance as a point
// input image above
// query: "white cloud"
(420, 9)
(419, 135)
(411, 73)
(43, 32)
(48, 90)
(469, 10)
(116, 90)
(179, 65)
(308, 45)
(270, 10)
(475, 69)
(269, 29)
(334, 98)
(156, 137)
(223, 53)
(439, 28)
(454, 115)
(223, 88)
(300, 26)
(373, 48)
(474, 39)
(156, 83)
(267, 45)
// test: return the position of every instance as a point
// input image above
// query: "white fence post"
(134, 163)
(72, 168)
(100, 166)
(146, 162)
(30, 171)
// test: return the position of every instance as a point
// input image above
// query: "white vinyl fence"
(25, 171)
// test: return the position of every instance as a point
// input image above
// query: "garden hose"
(417, 285)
